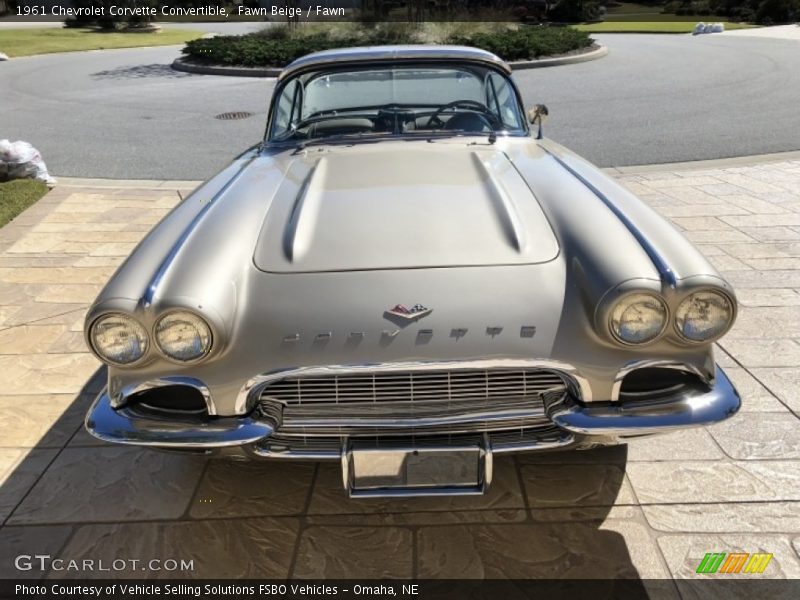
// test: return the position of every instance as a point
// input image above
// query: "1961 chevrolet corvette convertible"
(405, 277)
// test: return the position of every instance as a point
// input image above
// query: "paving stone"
(19, 470)
(755, 397)
(721, 236)
(70, 293)
(786, 219)
(111, 484)
(755, 205)
(763, 279)
(29, 339)
(218, 549)
(694, 444)
(6, 312)
(671, 182)
(255, 488)
(702, 223)
(359, 552)
(759, 436)
(762, 250)
(693, 481)
(56, 275)
(46, 421)
(783, 382)
(763, 352)
(550, 486)
(766, 234)
(525, 551)
(725, 517)
(47, 373)
(790, 262)
(702, 210)
(29, 542)
(768, 297)
(726, 263)
(113, 249)
(748, 183)
(690, 195)
(763, 322)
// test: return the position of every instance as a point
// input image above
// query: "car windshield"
(396, 100)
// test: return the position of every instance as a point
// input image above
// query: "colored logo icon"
(734, 562)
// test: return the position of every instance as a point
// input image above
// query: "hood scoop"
(402, 209)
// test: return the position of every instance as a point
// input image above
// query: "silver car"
(407, 278)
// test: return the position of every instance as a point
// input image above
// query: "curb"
(182, 64)
(126, 183)
(599, 52)
(718, 163)
(715, 163)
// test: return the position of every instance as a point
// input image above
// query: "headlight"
(704, 316)
(638, 318)
(119, 339)
(183, 336)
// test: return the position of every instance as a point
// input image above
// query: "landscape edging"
(182, 64)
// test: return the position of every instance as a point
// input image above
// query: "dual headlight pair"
(701, 317)
(180, 336)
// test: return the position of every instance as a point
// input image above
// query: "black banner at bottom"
(502, 589)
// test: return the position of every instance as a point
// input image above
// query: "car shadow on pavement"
(142, 71)
(556, 515)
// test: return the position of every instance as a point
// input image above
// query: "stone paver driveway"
(648, 510)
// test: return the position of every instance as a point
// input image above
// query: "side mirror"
(536, 116)
(538, 113)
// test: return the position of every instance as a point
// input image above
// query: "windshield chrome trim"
(288, 74)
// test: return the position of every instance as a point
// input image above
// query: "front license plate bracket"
(370, 471)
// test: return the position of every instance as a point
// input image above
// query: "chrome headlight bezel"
(628, 298)
(678, 328)
(145, 336)
(191, 316)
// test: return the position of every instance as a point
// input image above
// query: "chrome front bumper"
(421, 465)
(600, 420)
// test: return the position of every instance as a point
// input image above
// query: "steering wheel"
(482, 113)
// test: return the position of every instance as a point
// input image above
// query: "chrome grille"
(415, 386)
(410, 403)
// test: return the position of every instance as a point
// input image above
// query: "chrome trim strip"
(659, 364)
(250, 392)
(119, 399)
(124, 426)
(660, 263)
(639, 417)
(566, 440)
(147, 298)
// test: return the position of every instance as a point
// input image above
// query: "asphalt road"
(654, 98)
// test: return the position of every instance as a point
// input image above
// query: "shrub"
(574, 11)
(528, 42)
(778, 11)
(278, 48)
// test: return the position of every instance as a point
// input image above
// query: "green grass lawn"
(655, 26)
(17, 195)
(25, 42)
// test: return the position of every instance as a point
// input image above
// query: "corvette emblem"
(409, 314)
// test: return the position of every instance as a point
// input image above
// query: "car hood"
(402, 208)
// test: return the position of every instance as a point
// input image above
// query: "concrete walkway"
(650, 510)
(778, 32)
